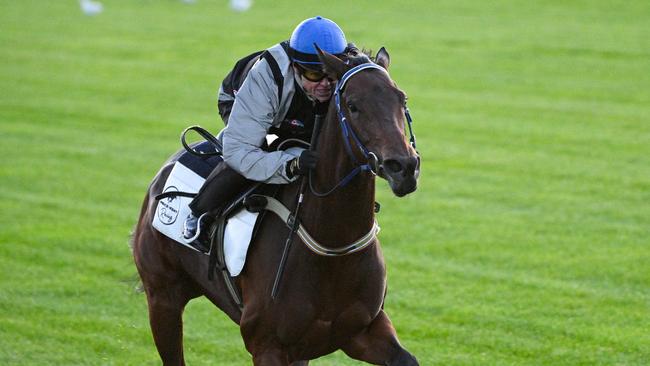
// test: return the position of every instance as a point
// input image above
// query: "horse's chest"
(328, 305)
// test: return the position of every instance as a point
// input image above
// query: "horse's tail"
(145, 203)
(139, 287)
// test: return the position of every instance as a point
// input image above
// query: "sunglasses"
(312, 75)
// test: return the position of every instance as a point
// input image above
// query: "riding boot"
(222, 185)
(194, 232)
(219, 189)
(190, 226)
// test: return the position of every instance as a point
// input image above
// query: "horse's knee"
(403, 358)
(378, 344)
(272, 357)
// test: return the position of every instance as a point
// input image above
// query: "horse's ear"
(332, 65)
(383, 58)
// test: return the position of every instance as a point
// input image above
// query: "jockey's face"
(316, 84)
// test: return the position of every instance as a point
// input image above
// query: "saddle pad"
(187, 175)
(236, 239)
(171, 213)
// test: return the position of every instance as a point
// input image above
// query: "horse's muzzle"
(401, 173)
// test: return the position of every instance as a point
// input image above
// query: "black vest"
(299, 121)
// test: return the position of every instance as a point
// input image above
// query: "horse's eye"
(353, 108)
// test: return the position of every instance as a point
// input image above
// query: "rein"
(372, 161)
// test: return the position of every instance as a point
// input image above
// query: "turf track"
(527, 242)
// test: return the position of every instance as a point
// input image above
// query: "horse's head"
(373, 107)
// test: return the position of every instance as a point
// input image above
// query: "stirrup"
(198, 231)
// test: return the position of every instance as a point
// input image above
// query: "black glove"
(303, 164)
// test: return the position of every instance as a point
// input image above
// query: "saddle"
(227, 228)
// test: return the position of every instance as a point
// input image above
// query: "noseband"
(372, 161)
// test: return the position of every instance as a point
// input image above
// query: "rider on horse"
(280, 99)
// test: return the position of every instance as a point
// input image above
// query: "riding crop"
(294, 218)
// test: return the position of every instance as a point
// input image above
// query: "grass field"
(527, 243)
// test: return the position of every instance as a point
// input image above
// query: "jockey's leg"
(378, 344)
(221, 186)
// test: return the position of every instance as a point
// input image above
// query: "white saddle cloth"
(172, 211)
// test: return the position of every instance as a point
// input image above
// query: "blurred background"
(527, 241)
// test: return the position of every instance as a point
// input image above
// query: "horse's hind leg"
(166, 320)
(378, 345)
(167, 290)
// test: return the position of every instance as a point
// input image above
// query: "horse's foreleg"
(165, 318)
(378, 344)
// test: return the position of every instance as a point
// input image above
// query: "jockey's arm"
(253, 113)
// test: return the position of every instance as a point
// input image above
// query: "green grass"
(527, 242)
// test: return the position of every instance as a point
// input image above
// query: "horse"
(324, 302)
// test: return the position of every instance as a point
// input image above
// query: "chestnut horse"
(324, 303)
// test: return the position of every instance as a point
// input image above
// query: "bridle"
(372, 162)
(370, 165)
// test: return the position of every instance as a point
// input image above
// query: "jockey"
(305, 90)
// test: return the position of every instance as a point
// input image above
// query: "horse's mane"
(355, 57)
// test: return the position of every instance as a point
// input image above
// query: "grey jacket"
(255, 111)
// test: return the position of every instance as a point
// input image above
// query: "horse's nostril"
(412, 165)
(393, 166)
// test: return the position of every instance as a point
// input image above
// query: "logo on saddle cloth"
(168, 208)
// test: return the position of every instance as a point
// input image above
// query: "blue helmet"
(321, 31)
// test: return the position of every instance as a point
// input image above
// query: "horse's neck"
(348, 213)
